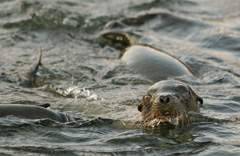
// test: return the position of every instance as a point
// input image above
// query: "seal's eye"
(140, 107)
(200, 101)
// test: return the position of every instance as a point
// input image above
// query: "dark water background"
(205, 34)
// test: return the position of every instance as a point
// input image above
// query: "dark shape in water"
(33, 112)
(29, 78)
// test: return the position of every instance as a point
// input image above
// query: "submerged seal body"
(169, 101)
(154, 64)
(32, 112)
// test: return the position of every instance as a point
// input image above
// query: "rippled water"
(205, 34)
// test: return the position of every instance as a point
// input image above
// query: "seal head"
(169, 102)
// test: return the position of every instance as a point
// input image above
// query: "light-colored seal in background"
(150, 62)
(154, 64)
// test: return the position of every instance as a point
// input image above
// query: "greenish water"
(205, 34)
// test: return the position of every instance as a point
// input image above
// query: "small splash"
(75, 92)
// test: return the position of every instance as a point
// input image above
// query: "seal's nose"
(164, 99)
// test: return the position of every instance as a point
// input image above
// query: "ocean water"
(204, 34)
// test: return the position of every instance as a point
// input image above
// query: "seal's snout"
(164, 99)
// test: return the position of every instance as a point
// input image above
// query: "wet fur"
(182, 99)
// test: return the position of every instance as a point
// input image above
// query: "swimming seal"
(169, 101)
(148, 61)
(33, 112)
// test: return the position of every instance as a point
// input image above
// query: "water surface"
(205, 34)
